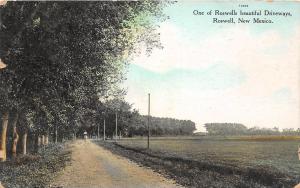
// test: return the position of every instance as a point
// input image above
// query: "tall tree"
(61, 61)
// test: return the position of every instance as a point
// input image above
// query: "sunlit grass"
(275, 151)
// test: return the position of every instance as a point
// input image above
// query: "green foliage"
(160, 126)
(35, 170)
(63, 57)
(225, 128)
(131, 123)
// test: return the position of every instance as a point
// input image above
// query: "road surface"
(93, 167)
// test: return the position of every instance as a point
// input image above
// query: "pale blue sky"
(207, 72)
(181, 15)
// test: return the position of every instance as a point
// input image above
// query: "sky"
(208, 72)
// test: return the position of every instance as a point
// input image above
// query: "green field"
(241, 152)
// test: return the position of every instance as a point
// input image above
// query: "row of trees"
(225, 128)
(161, 126)
(131, 123)
(240, 129)
(65, 61)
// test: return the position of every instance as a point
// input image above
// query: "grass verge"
(34, 170)
(200, 174)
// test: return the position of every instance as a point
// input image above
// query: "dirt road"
(93, 166)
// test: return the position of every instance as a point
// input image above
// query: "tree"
(160, 126)
(61, 61)
(225, 128)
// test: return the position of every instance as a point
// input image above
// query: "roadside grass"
(266, 154)
(34, 170)
(203, 173)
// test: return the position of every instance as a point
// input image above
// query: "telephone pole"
(104, 129)
(56, 134)
(116, 125)
(98, 132)
(148, 122)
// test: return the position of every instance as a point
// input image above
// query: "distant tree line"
(225, 129)
(130, 123)
(160, 126)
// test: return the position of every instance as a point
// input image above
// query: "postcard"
(136, 94)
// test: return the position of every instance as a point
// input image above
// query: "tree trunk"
(46, 139)
(15, 137)
(36, 143)
(43, 140)
(39, 141)
(3, 136)
(24, 143)
(56, 134)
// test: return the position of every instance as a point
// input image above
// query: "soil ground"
(93, 166)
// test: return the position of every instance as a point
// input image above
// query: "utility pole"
(56, 134)
(148, 122)
(116, 125)
(98, 133)
(104, 129)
